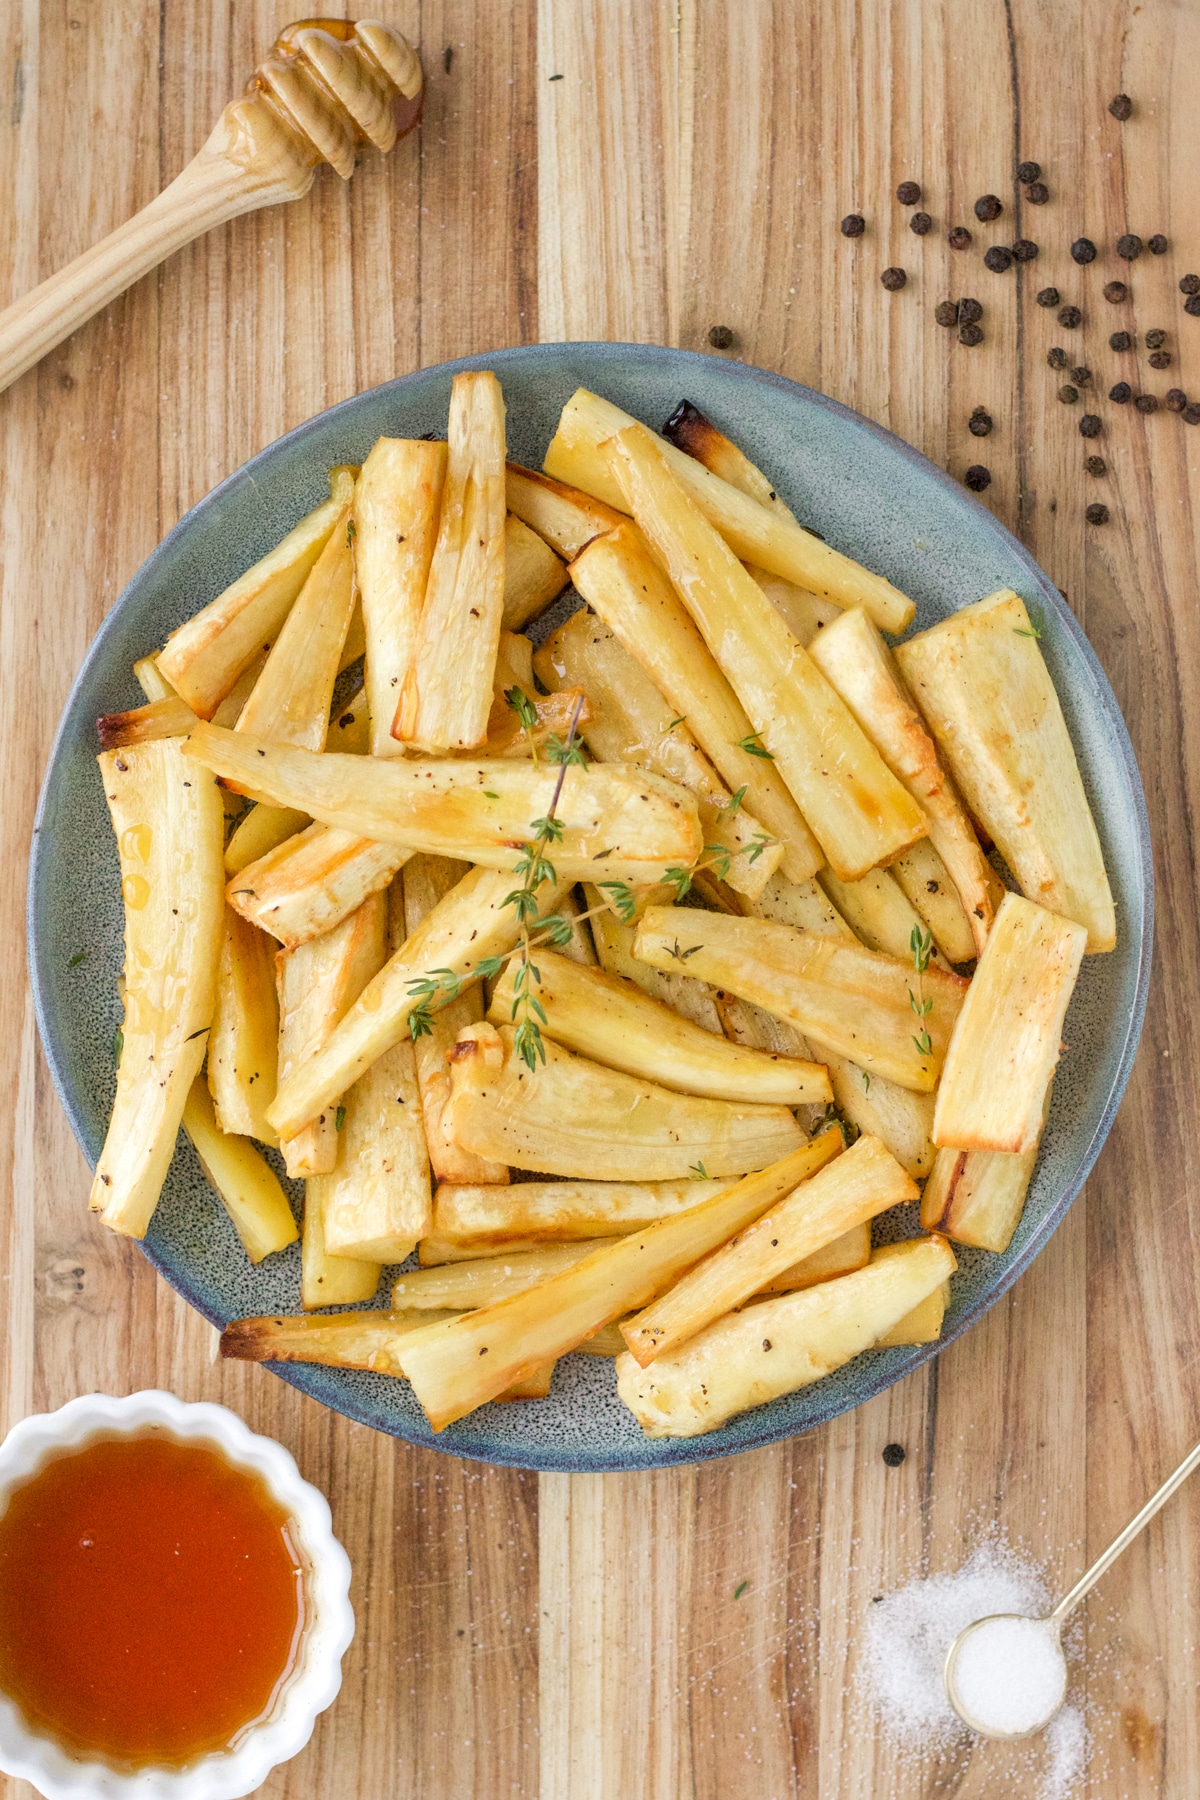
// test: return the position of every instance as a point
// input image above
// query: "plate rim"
(894, 1367)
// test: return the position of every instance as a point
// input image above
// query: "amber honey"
(151, 1600)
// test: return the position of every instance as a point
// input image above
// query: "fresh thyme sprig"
(921, 944)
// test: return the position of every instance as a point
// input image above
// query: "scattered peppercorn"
(853, 225)
(1120, 340)
(921, 223)
(946, 312)
(1161, 359)
(1147, 403)
(1090, 426)
(1024, 250)
(988, 206)
(1057, 358)
(1192, 305)
(1116, 291)
(893, 1455)
(1120, 393)
(1037, 193)
(1190, 284)
(1191, 413)
(893, 279)
(1070, 316)
(970, 334)
(969, 312)
(1157, 245)
(1083, 250)
(1120, 106)
(1130, 246)
(1097, 513)
(908, 193)
(1028, 171)
(998, 259)
(959, 238)
(977, 478)
(1096, 465)
(1155, 339)
(1175, 400)
(720, 337)
(980, 422)
(1068, 394)
(1049, 297)
(1082, 376)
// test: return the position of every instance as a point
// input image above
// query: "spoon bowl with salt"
(1006, 1675)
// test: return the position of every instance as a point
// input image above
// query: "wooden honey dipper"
(327, 87)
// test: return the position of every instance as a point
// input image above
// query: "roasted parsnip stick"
(840, 1256)
(623, 583)
(877, 909)
(312, 882)
(613, 938)
(615, 1023)
(169, 827)
(982, 684)
(690, 431)
(925, 881)
(259, 831)
(463, 1286)
(479, 1219)
(923, 1325)
(573, 1117)
(566, 518)
(243, 1048)
(348, 1340)
(854, 1001)
(376, 1203)
(204, 658)
(168, 717)
(327, 1280)
(858, 811)
(977, 1196)
(152, 681)
(758, 533)
(630, 722)
(396, 507)
(478, 811)
(780, 1345)
(805, 615)
(457, 1367)
(1007, 1039)
(533, 575)
(866, 1180)
(446, 695)
(245, 1184)
(854, 658)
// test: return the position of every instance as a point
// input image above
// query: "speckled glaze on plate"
(868, 494)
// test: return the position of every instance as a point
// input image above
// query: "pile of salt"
(1010, 1675)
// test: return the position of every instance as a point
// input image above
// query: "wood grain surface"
(643, 170)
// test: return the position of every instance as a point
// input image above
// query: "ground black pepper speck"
(1090, 426)
(853, 225)
(1097, 513)
(1121, 392)
(908, 193)
(988, 206)
(921, 223)
(1120, 106)
(1120, 340)
(1028, 171)
(1116, 291)
(959, 238)
(1037, 193)
(1083, 250)
(1070, 316)
(1049, 297)
(1130, 246)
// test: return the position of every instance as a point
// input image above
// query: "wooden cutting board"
(645, 170)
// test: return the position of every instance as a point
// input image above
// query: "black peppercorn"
(1129, 246)
(1096, 465)
(853, 225)
(1192, 305)
(908, 193)
(970, 334)
(1155, 339)
(1175, 399)
(1147, 403)
(1070, 316)
(1191, 413)
(959, 238)
(977, 478)
(946, 313)
(988, 206)
(1083, 250)
(1068, 394)
(1120, 106)
(1116, 291)
(921, 223)
(1037, 193)
(1024, 250)
(720, 337)
(893, 279)
(1121, 392)
(1157, 245)
(1120, 340)
(1090, 426)
(1161, 359)
(1028, 171)
(980, 422)
(1049, 297)
(893, 1455)
(998, 259)
(969, 312)
(1057, 358)
(1082, 377)
(1190, 284)
(1097, 513)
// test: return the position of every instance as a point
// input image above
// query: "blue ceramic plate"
(868, 494)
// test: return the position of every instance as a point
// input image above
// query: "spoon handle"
(1104, 1562)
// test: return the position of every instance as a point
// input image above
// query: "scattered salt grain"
(1010, 1675)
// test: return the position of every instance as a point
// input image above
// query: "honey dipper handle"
(250, 159)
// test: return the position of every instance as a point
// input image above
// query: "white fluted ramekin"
(328, 1627)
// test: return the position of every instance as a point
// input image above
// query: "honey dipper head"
(336, 85)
